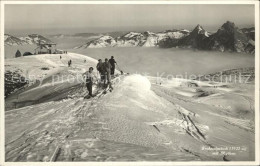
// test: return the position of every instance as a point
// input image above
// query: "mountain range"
(134, 39)
(228, 38)
(88, 35)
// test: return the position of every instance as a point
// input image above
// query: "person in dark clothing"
(69, 63)
(107, 68)
(112, 62)
(89, 80)
(101, 70)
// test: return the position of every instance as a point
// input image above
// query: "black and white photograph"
(130, 82)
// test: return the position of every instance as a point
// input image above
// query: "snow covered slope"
(39, 69)
(142, 119)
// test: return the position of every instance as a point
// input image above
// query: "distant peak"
(198, 28)
(229, 24)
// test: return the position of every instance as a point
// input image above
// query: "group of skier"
(106, 70)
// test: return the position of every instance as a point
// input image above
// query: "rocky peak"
(198, 30)
(229, 27)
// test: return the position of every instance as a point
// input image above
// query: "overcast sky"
(104, 18)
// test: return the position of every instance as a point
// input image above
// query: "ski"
(102, 92)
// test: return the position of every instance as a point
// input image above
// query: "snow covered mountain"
(35, 39)
(189, 39)
(168, 38)
(131, 39)
(88, 35)
(11, 40)
(103, 41)
(173, 34)
(196, 38)
(30, 39)
(135, 39)
(229, 38)
(151, 39)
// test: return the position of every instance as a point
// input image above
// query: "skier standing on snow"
(112, 62)
(89, 80)
(100, 69)
(69, 62)
(107, 69)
